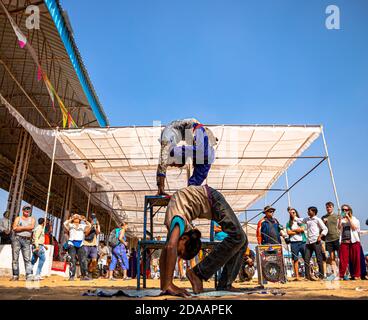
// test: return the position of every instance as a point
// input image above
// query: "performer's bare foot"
(196, 283)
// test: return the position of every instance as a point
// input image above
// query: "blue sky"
(242, 62)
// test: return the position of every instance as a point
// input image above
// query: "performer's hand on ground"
(173, 290)
(196, 282)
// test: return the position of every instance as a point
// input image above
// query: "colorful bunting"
(39, 73)
(22, 39)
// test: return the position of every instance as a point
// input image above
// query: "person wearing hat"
(268, 228)
(5, 228)
(21, 241)
(77, 232)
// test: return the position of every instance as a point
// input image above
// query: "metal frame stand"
(149, 203)
(331, 171)
(19, 175)
(51, 175)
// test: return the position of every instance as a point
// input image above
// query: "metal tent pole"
(289, 205)
(331, 171)
(89, 198)
(51, 173)
(246, 220)
(110, 223)
(287, 187)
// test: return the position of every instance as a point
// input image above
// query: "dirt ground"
(58, 288)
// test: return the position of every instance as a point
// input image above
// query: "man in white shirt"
(316, 229)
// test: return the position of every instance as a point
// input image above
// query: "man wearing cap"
(5, 228)
(268, 228)
(21, 240)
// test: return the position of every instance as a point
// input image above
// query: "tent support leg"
(89, 197)
(331, 171)
(67, 203)
(17, 183)
(287, 187)
(51, 174)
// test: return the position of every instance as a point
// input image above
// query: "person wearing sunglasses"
(268, 228)
(297, 238)
(349, 253)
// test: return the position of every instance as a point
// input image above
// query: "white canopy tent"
(117, 166)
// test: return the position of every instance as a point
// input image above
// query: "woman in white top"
(77, 231)
(349, 252)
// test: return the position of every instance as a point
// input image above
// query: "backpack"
(91, 235)
(114, 238)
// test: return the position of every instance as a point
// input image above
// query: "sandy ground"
(57, 288)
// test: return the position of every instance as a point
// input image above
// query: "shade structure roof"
(60, 59)
(57, 52)
(117, 166)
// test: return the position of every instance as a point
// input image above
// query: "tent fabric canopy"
(118, 165)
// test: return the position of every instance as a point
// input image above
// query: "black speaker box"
(270, 264)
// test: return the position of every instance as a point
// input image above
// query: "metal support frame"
(324, 158)
(144, 249)
(287, 188)
(149, 203)
(19, 175)
(89, 197)
(174, 190)
(51, 173)
(331, 171)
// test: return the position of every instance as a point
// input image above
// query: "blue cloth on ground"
(157, 292)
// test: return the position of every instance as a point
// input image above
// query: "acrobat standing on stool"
(199, 145)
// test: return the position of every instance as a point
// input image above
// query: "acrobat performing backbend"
(186, 205)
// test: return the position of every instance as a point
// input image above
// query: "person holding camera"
(90, 243)
(349, 252)
(77, 232)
